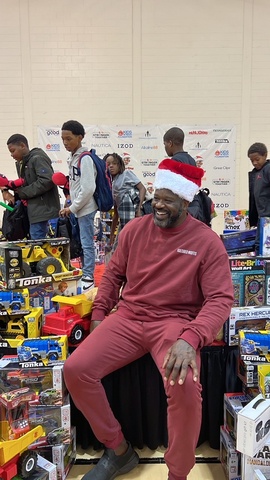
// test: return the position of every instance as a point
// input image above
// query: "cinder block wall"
(199, 62)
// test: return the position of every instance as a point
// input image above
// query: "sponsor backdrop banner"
(141, 146)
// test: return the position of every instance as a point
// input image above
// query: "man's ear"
(185, 204)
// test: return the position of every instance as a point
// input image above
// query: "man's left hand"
(180, 356)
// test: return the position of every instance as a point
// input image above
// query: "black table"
(137, 398)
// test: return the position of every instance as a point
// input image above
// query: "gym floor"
(151, 466)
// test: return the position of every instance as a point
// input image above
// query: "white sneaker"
(87, 284)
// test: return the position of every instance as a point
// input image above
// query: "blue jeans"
(38, 230)
(86, 226)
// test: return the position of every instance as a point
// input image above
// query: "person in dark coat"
(38, 191)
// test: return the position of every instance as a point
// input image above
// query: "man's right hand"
(94, 324)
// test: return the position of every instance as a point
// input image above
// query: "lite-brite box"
(233, 403)
(264, 236)
(251, 318)
(253, 426)
(259, 461)
(239, 242)
(230, 459)
(248, 276)
(235, 220)
(264, 379)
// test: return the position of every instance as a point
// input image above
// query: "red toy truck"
(67, 322)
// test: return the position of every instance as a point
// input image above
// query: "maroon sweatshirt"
(180, 272)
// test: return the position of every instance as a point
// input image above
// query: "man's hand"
(64, 212)
(94, 324)
(179, 357)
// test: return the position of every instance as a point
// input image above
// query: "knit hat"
(182, 179)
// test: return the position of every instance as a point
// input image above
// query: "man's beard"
(169, 221)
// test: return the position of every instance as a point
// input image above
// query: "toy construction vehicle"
(37, 257)
(16, 435)
(72, 319)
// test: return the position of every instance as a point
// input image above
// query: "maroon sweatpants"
(116, 342)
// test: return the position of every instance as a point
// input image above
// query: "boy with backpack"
(82, 185)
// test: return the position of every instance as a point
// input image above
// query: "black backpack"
(15, 224)
(201, 206)
(68, 227)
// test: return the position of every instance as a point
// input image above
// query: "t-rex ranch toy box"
(248, 276)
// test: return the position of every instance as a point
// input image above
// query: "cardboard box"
(248, 276)
(67, 286)
(264, 379)
(248, 371)
(235, 220)
(55, 421)
(62, 456)
(233, 403)
(259, 461)
(239, 242)
(253, 426)
(250, 317)
(264, 247)
(230, 459)
(258, 475)
(255, 343)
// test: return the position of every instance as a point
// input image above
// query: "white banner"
(141, 146)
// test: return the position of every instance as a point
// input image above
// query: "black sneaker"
(111, 465)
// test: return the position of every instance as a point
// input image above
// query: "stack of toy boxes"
(43, 267)
(230, 458)
(235, 220)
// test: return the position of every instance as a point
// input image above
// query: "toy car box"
(230, 459)
(253, 426)
(255, 343)
(46, 381)
(248, 276)
(259, 461)
(251, 318)
(240, 241)
(43, 349)
(55, 421)
(233, 403)
(62, 456)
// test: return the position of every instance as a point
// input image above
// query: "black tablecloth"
(137, 398)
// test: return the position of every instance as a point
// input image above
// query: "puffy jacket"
(40, 192)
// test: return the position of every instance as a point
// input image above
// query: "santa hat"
(182, 179)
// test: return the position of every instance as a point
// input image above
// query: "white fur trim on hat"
(178, 184)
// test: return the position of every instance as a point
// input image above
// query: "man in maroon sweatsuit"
(177, 293)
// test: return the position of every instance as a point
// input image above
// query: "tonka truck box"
(11, 265)
(41, 261)
(248, 276)
(259, 461)
(230, 459)
(251, 318)
(233, 403)
(22, 326)
(253, 426)
(45, 349)
(248, 371)
(47, 382)
(65, 284)
(62, 456)
(255, 343)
